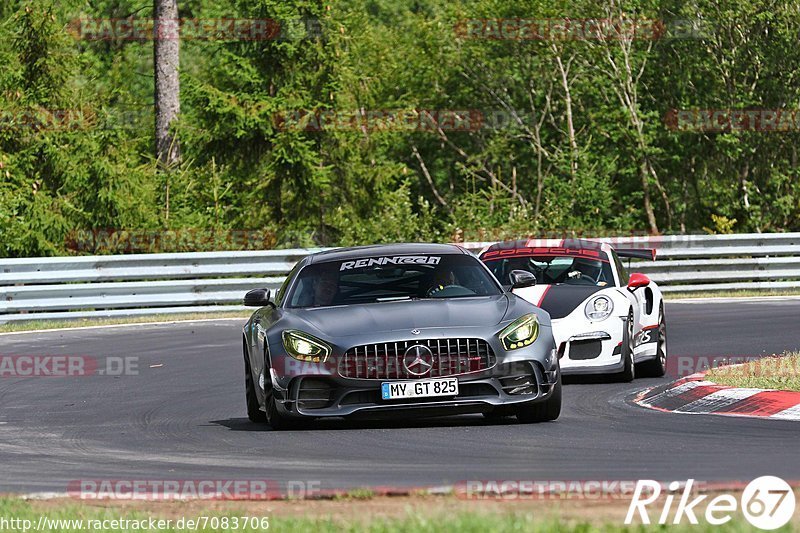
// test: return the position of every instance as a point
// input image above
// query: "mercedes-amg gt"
(405, 329)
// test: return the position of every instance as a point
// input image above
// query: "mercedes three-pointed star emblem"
(418, 360)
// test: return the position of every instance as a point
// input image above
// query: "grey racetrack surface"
(186, 419)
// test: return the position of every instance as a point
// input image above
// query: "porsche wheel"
(629, 368)
(657, 367)
(254, 413)
(545, 411)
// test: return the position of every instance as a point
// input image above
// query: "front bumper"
(586, 347)
(519, 377)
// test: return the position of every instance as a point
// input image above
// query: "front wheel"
(254, 412)
(657, 367)
(545, 411)
(273, 417)
(629, 368)
(276, 420)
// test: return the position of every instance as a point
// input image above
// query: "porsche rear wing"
(637, 253)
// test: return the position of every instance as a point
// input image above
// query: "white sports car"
(604, 320)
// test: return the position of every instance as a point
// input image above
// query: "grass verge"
(732, 294)
(79, 323)
(776, 372)
(418, 515)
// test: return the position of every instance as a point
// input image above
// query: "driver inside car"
(441, 278)
(586, 272)
(326, 287)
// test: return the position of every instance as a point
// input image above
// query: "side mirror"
(521, 278)
(637, 280)
(258, 298)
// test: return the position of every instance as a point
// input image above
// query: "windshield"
(382, 279)
(555, 269)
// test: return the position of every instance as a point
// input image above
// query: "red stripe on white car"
(534, 294)
(541, 299)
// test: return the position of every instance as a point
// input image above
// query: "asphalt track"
(185, 419)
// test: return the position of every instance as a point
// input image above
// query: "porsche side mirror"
(637, 280)
(521, 278)
(258, 298)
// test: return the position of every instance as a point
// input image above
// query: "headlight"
(522, 332)
(305, 347)
(599, 308)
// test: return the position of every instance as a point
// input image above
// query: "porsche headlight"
(305, 347)
(599, 308)
(522, 332)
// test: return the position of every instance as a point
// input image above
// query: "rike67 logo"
(767, 502)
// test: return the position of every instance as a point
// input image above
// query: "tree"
(166, 49)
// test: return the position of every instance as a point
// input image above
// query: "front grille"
(449, 357)
(582, 350)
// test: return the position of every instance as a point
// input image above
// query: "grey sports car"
(403, 329)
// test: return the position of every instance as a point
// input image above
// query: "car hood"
(342, 321)
(558, 300)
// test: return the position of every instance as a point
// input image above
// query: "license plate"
(421, 388)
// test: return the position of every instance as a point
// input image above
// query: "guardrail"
(47, 288)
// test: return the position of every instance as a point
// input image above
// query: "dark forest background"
(563, 134)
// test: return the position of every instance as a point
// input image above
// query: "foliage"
(559, 134)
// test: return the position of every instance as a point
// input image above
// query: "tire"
(545, 411)
(628, 372)
(277, 421)
(254, 412)
(272, 416)
(657, 367)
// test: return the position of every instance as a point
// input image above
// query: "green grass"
(77, 323)
(777, 372)
(472, 522)
(357, 494)
(731, 294)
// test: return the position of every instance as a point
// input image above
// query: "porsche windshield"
(555, 269)
(383, 279)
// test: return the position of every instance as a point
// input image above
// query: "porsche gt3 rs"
(406, 329)
(604, 321)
